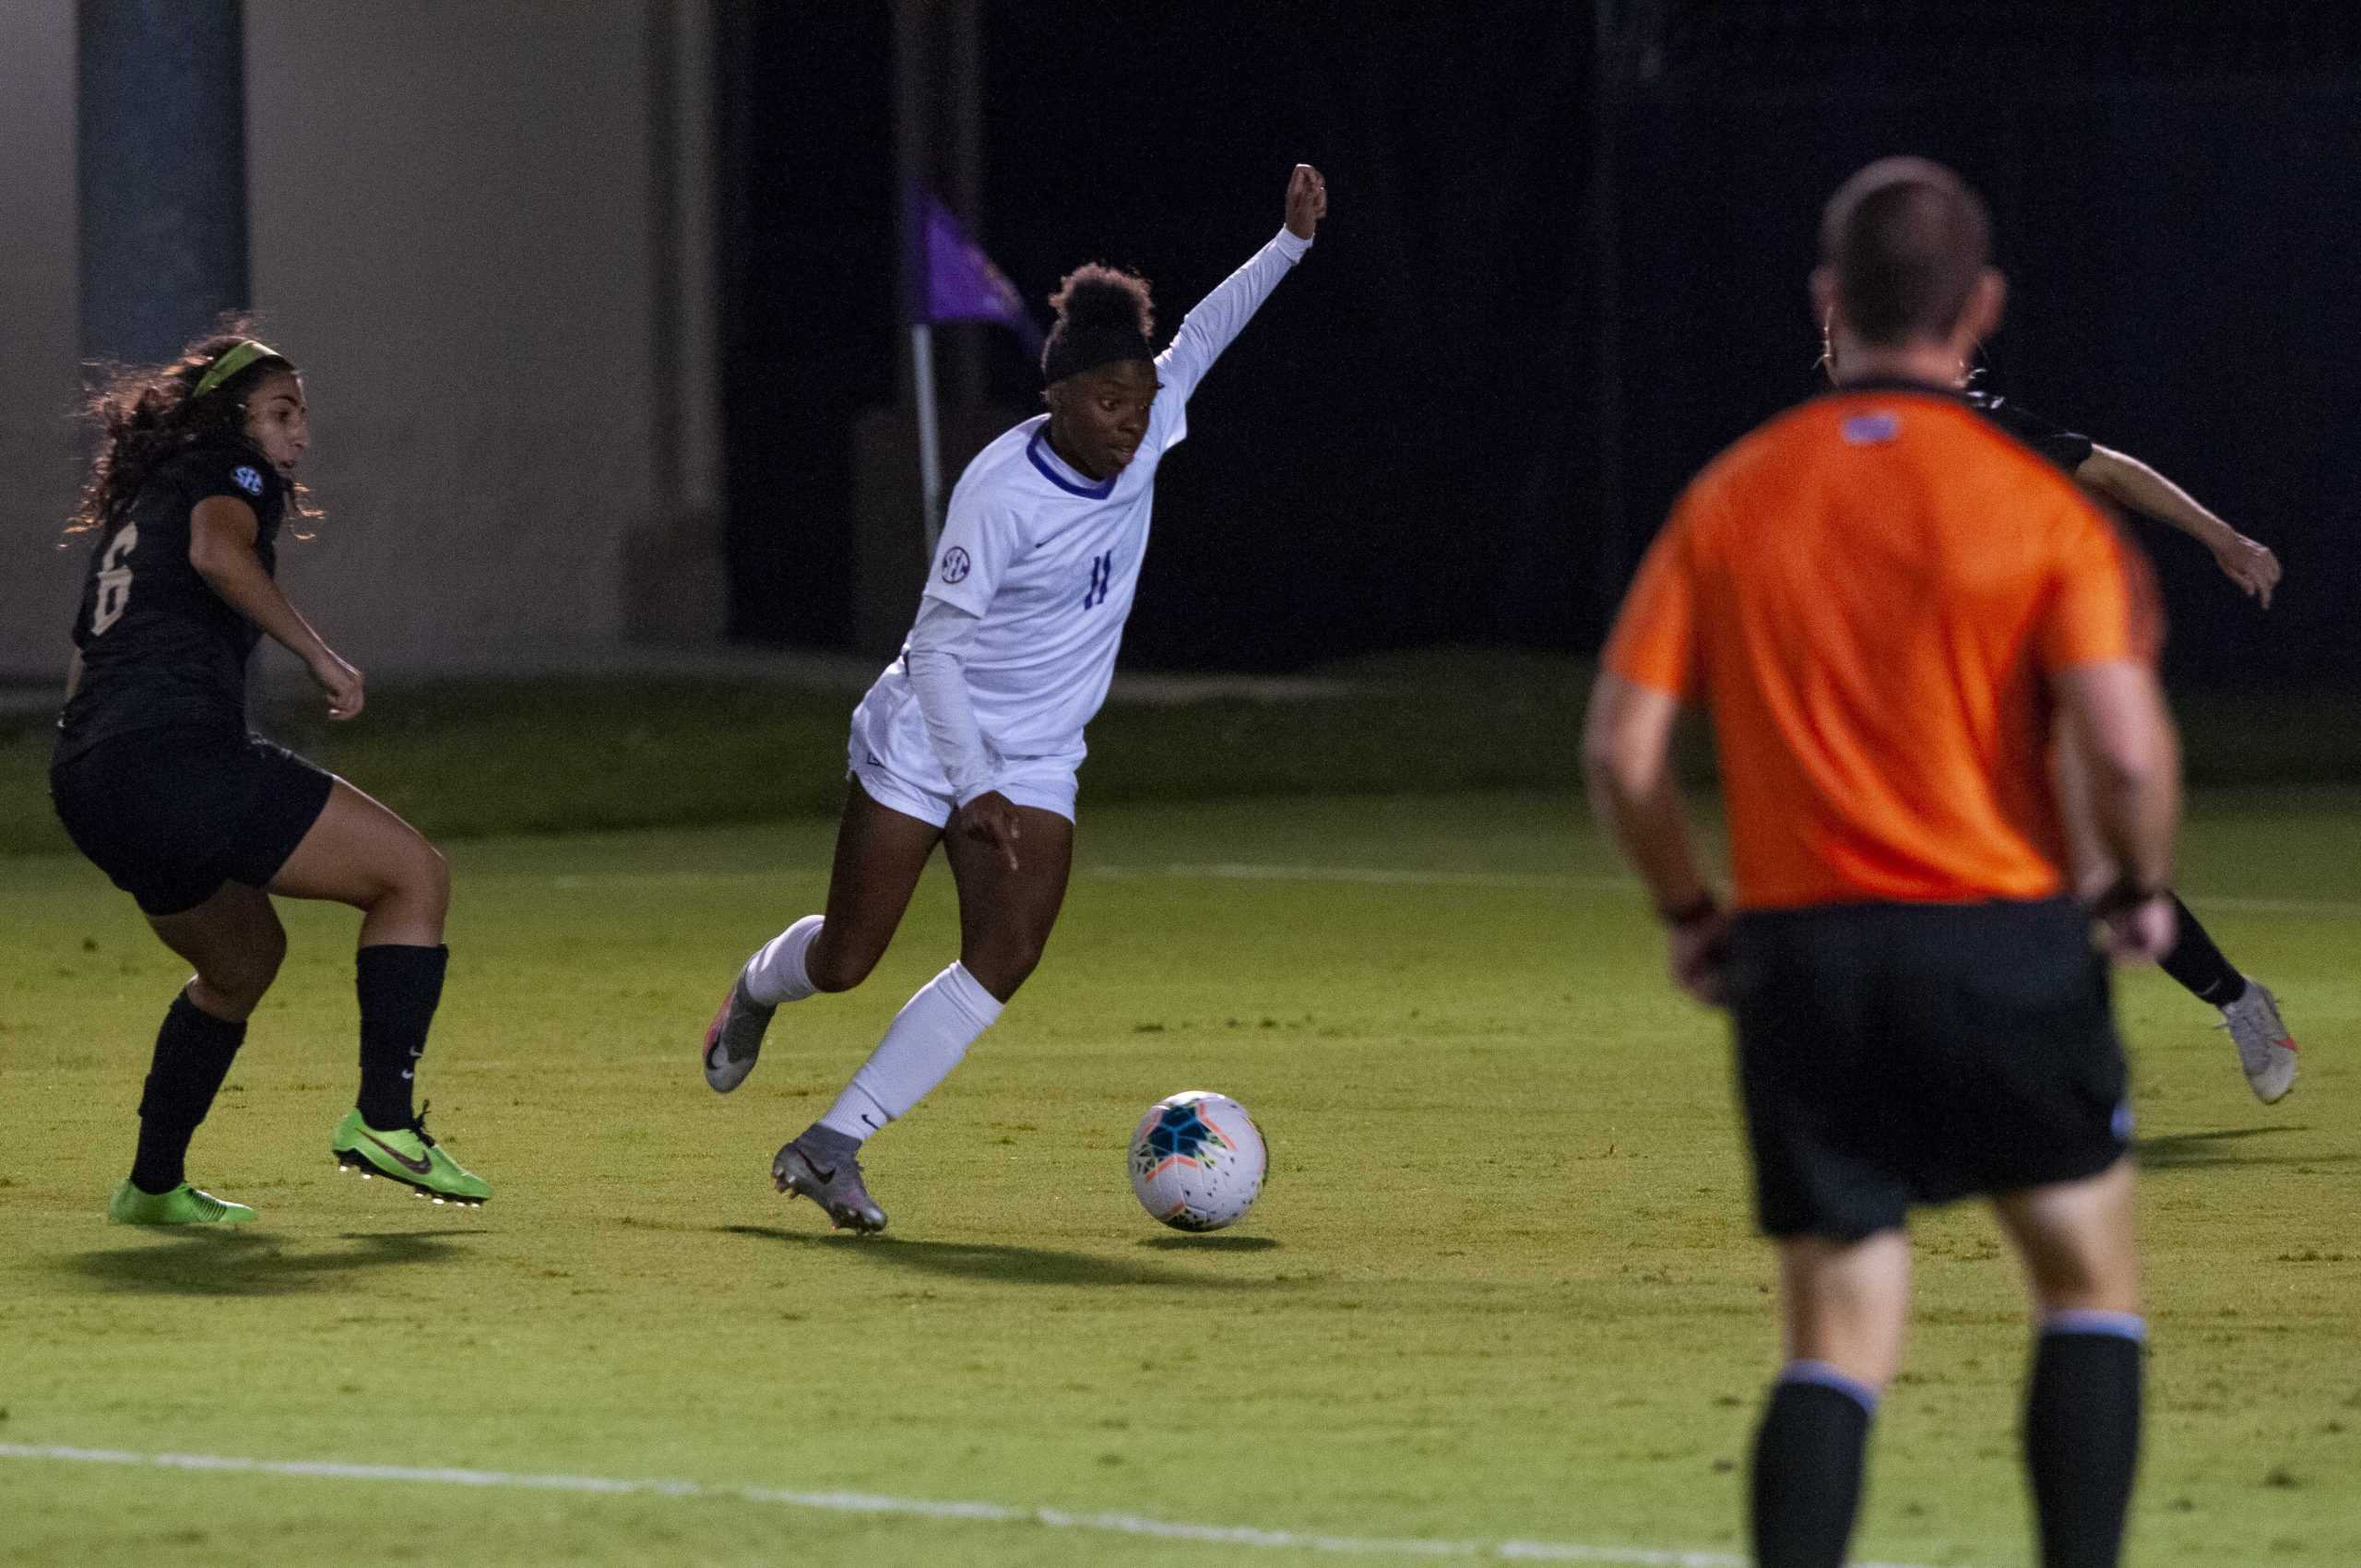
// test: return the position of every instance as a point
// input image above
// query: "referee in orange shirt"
(1884, 601)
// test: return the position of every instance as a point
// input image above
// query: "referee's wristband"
(1702, 907)
(2128, 895)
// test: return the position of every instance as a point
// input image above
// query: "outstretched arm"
(1222, 314)
(2125, 478)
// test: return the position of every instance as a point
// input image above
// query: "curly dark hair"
(146, 414)
(1095, 294)
(1103, 315)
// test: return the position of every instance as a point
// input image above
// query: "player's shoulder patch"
(956, 564)
(248, 477)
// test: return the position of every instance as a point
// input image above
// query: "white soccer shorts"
(892, 760)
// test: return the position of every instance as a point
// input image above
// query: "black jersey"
(2064, 447)
(159, 648)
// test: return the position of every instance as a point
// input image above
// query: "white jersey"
(1049, 559)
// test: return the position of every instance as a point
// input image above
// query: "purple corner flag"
(962, 284)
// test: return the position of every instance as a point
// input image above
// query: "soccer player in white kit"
(971, 738)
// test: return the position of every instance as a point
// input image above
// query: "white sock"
(929, 1036)
(774, 974)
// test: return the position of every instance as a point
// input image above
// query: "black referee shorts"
(1892, 1055)
(171, 815)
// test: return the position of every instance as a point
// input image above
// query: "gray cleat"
(2266, 1051)
(735, 1038)
(835, 1187)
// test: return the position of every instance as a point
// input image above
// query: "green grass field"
(1502, 1287)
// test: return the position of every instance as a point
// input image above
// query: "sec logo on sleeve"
(956, 564)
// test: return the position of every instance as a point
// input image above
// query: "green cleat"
(183, 1205)
(406, 1154)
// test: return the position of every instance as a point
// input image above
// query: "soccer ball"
(1197, 1160)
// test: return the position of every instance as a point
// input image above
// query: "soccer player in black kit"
(2249, 1011)
(161, 783)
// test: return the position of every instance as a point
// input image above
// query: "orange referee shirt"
(1868, 592)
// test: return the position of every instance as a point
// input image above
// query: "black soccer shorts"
(1892, 1055)
(171, 815)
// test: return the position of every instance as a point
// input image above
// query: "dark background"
(1461, 418)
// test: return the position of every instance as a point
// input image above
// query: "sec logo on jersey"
(249, 480)
(956, 564)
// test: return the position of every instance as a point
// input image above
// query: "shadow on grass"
(1004, 1264)
(1211, 1243)
(2178, 1151)
(241, 1263)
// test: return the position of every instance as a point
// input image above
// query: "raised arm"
(1222, 314)
(2124, 478)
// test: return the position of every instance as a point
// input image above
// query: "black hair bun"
(1095, 296)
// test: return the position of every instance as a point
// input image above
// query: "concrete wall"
(455, 231)
(39, 327)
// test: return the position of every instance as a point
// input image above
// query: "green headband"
(241, 354)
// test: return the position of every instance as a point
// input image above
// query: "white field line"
(1233, 871)
(1374, 876)
(2276, 905)
(908, 1507)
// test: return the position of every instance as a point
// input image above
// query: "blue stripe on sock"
(1826, 1376)
(2122, 1325)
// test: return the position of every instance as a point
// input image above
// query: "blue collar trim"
(1037, 449)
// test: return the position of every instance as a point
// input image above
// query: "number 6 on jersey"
(114, 580)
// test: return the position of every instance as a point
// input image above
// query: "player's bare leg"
(1011, 863)
(234, 942)
(879, 855)
(1842, 1305)
(360, 854)
(2083, 1407)
(1007, 913)
(2078, 1242)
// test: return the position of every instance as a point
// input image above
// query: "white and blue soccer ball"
(1198, 1160)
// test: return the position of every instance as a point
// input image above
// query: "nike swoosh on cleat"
(420, 1166)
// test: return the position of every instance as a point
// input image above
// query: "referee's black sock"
(2199, 965)
(2082, 1434)
(194, 1049)
(1808, 1467)
(399, 988)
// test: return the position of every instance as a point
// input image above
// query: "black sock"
(399, 989)
(2083, 1436)
(1808, 1469)
(194, 1049)
(2199, 965)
